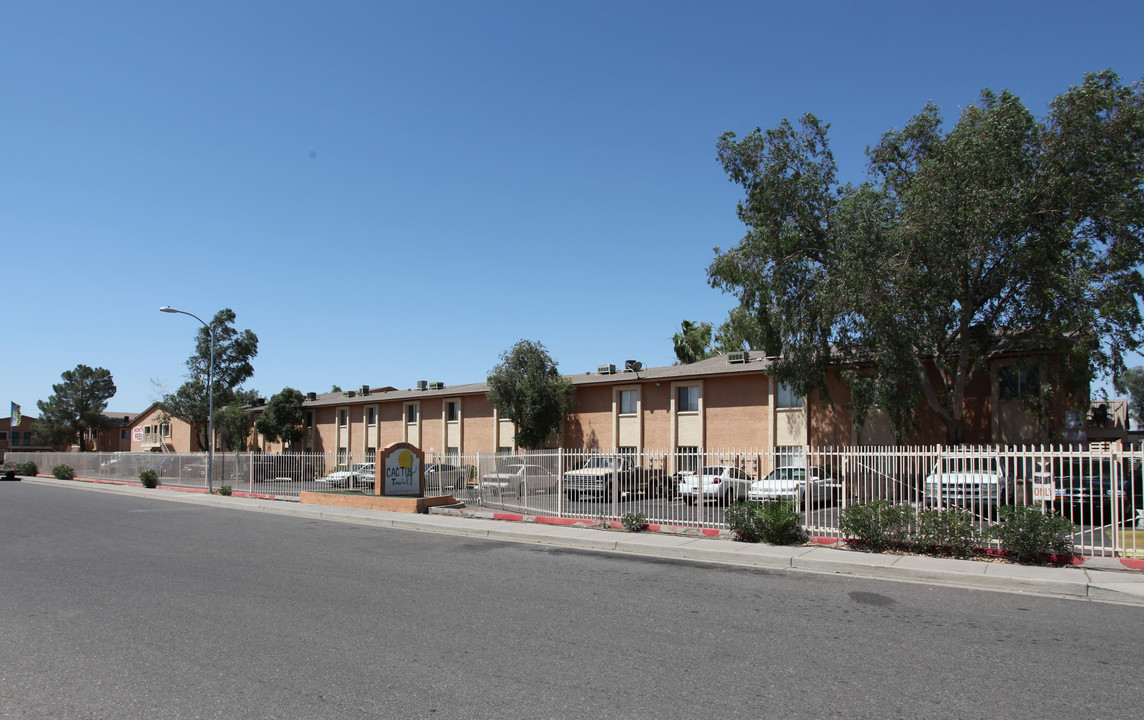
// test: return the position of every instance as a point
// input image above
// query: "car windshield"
(787, 474)
(606, 463)
(969, 465)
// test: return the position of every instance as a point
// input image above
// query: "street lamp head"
(168, 309)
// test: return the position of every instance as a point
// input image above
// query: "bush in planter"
(63, 472)
(634, 522)
(878, 525)
(149, 478)
(777, 522)
(1028, 535)
(949, 531)
(225, 490)
(27, 469)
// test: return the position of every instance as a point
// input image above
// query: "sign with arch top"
(401, 471)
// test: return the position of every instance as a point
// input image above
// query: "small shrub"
(225, 490)
(777, 522)
(634, 522)
(27, 469)
(63, 472)
(740, 518)
(149, 478)
(878, 525)
(947, 532)
(1028, 535)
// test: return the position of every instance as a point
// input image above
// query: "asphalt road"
(118, 607)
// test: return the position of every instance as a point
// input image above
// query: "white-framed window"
(453, 410)
(629, 402)
(371, 416)
(411, 413)
(1020, 382)
(343, 417)
(786, 397)
(687, 398)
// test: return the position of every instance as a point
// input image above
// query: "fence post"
(560, 481)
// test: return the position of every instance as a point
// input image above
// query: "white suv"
(967, 479)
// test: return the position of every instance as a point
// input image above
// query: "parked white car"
(967, 479)
(520, 479)
(721, 482)
(796, 483)
(356, 475)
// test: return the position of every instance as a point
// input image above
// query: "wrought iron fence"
(1101, 490)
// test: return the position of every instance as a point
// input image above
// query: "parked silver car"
(356, 475)
(796, 483)
(440, 477)
(520, 479)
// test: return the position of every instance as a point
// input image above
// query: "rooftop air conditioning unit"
(421, 384)
(632, 366)
(436, 386)
(311, 396)
(738, 357)
(363, 390)
(606, 369)
(349, 393)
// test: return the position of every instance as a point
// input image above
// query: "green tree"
(527, 388)
(232, 426)
(76, 406)
(282, 418)
(740, 331)
(1003, 234)
(234, 352)
(693, 342)
(1131, 382)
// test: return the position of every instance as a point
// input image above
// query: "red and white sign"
(137, 434)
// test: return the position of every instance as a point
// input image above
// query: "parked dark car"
(1099, 490)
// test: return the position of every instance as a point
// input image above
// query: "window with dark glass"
(1020, 382)
(687, 399)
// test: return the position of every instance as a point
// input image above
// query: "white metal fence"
(1100, 490)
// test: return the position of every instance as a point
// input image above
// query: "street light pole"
(210, 395)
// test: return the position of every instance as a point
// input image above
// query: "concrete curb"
(1097, 579)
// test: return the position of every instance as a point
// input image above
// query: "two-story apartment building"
(722, 402)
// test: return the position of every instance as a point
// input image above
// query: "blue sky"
(394, 192)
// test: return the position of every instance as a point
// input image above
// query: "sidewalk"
(1099, 579)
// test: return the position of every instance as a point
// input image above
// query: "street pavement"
(1097, 579)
